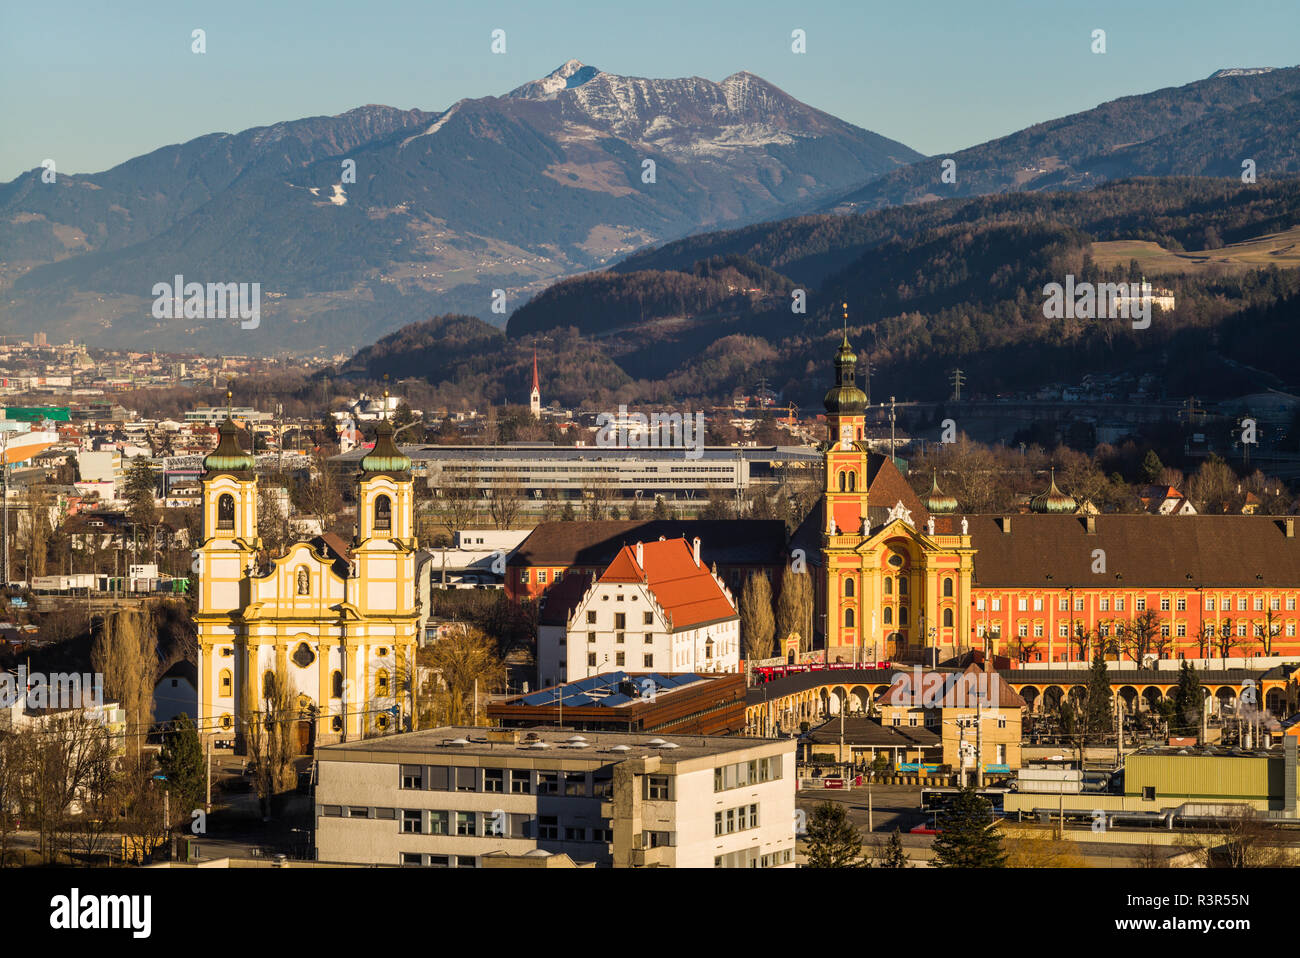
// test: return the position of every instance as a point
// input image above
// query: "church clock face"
(846, 437)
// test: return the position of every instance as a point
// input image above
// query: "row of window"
(225, 680)
(620, 660)
(513, 781)
(850, 587)
(494, 824)
(415, 859)
(620, 618)
(739, 775)
(750, 858)
(1176, 603)
(1179, 629)
(735, 819)
(383, 513)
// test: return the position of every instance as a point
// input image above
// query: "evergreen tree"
(567, 514)
(1189, 702)
(661, 509)
(140, 492)
(894, 855)
(833, 841)
(1152, 466)
(967, 837)
(1097, 715)
(181, 760)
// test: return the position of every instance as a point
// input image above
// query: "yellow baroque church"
(895, 572)
(340, 621)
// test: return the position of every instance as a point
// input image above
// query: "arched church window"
(268, 685)
(225, 682)
(853, 482)
(947, 588)
(848, 618)
(902, 585)
(848, 588)
(336, 685)
(381, 682)
(947, 618)
(889, 586)
(226, 512)
(889, 615)
(336, 723)
(902, 616)
(383, 514)
(844, 482)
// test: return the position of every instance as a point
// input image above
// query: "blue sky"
(91, 84)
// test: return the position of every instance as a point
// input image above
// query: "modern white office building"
(447, 797)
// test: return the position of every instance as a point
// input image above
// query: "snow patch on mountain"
(434, 128)
(1241, 72)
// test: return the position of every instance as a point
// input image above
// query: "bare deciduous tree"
(756, 622)
(268, 738)
(458, 662)
(126, 654)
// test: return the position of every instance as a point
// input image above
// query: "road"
(892, 806)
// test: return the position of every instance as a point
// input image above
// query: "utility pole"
(892, 418)
(979, 746)
(958, 380)
(207, 802)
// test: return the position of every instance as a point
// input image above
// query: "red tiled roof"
(688, 593)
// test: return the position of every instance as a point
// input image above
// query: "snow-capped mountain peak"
(570, 74)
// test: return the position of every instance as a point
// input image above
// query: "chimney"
(1091, 523)
(1289, 527)
(1006, 525)
(697, 551)
(640, 555)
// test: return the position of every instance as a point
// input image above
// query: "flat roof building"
(452, 796)
(633, 702)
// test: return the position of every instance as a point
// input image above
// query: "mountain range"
(355, 224)
(578, 171)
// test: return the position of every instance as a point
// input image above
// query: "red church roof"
(688, 593)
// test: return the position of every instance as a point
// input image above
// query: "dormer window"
(226, 512)
(383, 514)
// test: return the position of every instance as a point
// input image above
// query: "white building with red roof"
(656, 608)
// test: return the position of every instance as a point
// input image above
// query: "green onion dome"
(1053, 501)
(938, 501)
(228, 457)
(385, 457)
(845, 398)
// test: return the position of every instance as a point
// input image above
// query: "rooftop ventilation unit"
(620, 748)
(655, 742)
(458, 742)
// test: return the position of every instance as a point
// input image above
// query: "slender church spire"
(535, 397)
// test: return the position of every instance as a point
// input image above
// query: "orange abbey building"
(898, 575)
